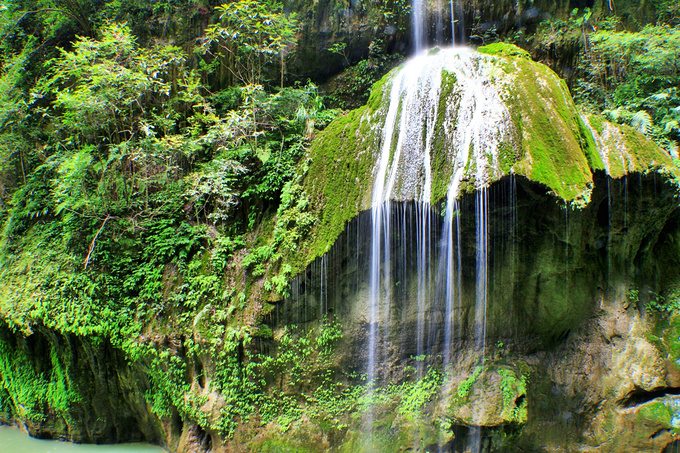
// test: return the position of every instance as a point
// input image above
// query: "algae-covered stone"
(623, 150)
(491, 395)
(458, 120)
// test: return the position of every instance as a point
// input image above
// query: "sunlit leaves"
(70, 189)
(213, 190)
(107, 86)
(250, 35)
(642, 121)
(650, 54)
(640, 73)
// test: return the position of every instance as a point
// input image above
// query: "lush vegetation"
(131, 174)
(151, 187)
(629, 74)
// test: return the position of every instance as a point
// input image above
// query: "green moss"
(555, 152)
(464, 388)
(339, 181)
(551, 145)
(507, 156)
(597, 122)
(589, 146)
(655, 413)
(646, 154)
(30, 388)
(378, 92)
(439, 154)
(665, 338)
(504, 49)
(513, 386)
(627, 150)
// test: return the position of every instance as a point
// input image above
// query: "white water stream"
(473, 121)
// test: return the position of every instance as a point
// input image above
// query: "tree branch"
(94, 241)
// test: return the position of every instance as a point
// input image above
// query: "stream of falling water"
(474, 124)
(418, 12)
(437, 13)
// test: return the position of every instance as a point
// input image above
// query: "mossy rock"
(624, 150)
(504, 49)
(549, 143)
(490, 395)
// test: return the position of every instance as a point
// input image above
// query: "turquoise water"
(13, 440)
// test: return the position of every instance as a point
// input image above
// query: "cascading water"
(419, 10)
(413, 279)
(473, 121)
(440, 13)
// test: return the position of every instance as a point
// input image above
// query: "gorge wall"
(517, 309)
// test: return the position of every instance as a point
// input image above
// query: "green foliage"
(113, 89)
(664, 305)
(634, 296)
(28, 390)
(636, 75)
(251, 35)
(464, 388)
(511, 387)
(354, 85)
(415, 394)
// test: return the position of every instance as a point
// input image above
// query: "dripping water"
(481, 263)
(473, 127)
(453, 23)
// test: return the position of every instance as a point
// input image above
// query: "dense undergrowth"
(128, 186)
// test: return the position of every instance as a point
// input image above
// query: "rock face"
(361, 25)
(537, 133)
(543, 342)
(567, 350)
(74, 388)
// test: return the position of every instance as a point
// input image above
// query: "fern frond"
(611, 115)
(642, 121)
(618, 115)
(674, 149)
(661, 96)
(671, 126)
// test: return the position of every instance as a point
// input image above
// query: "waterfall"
(418, 13)
(481, 268)
(439, 14)
(472, 120)
(453, 22)
(452, 272)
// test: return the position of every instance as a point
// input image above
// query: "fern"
(673, 149)
(671, 126)
(642, 121)
(618, 115)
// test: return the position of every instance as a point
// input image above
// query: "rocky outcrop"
(582, 221)
(385, 27)
(572, 353)
(581, 232)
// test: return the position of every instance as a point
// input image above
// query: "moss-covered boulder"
(491, 395)
(534, 130)
(576, 210)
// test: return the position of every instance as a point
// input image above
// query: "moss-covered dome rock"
(455, 120)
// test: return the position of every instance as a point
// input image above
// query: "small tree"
(251, 34)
